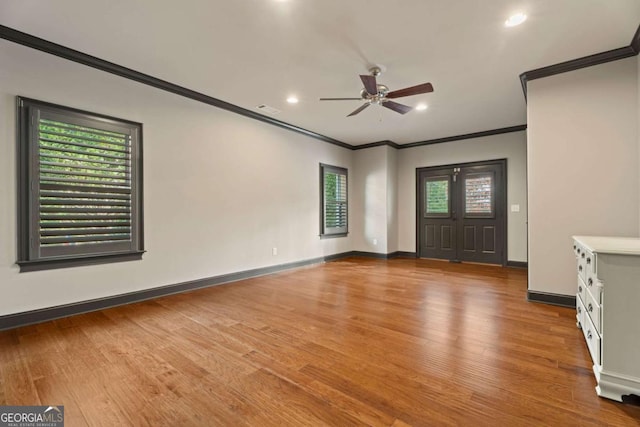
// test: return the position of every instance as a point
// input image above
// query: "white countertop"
(610, 245)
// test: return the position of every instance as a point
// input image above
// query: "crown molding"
(586, 61)
(58, 50)
(518, 128)
(499, 131)
(387, 143)
(55, 49)
(635, 41)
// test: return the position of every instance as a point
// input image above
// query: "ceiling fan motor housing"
(382, 92)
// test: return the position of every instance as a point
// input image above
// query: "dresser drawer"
(594, 285)
(582, 265)
(582, 289)
(580, 311)
(577, 248)
(593, 339)
(593, 310)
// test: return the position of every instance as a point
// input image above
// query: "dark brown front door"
(462, 212)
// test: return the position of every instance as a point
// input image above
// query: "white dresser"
(608, 310)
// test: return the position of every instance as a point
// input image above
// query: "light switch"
(515, 208)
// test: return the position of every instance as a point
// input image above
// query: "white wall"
(369, 198)
(510, 146)
(220, 189)
(583, 165)
(392, 200)
(375, 207)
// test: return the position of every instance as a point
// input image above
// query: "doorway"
(461, 212)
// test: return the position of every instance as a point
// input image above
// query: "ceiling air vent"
(267, 109)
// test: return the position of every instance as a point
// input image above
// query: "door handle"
(453, 215)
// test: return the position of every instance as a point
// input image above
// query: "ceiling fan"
(374, 93)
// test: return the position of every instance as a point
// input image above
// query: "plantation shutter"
(84, 199)
(335, 204)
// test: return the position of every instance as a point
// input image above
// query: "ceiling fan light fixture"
(421, 107)
(515, 20)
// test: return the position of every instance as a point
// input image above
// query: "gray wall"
(583, 165)
(220, 190)
(511, 146)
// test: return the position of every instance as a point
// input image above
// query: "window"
(437, 196)
(334, 201)
(479, 198)
(80, 187)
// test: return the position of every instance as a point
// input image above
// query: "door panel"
(489, 240)
(447, 237)
(469, 243)
(462, 212)
(430, 233)
(436, 222)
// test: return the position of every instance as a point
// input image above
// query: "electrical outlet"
(274, 251)
(375, 242)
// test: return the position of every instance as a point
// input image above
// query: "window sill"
(333, 236)
(78, 261)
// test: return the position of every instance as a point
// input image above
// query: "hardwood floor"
(352, 342)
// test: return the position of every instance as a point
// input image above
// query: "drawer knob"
(578, 250)
(574, 247)
(580, 289)
(590, 308)
(588, 260)
(589, 335)
(579, 310)
(590, 281)
(579, 268)
(582, 254)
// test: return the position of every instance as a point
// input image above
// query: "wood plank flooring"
(347, 343)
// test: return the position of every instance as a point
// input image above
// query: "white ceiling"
(251, 52)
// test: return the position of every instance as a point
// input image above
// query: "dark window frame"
(30, 250)
(331, 232)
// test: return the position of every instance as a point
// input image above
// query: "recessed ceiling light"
(292, 100)
(516, 19)
(421, 107)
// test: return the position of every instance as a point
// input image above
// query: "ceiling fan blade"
(359, 109)
(398, 108)
(414, 90)
(370, 84)
(340, 99)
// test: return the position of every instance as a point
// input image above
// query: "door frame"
(504, 224)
